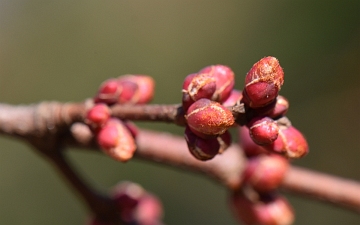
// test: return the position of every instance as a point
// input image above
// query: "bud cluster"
(208, 119)
(114, 136)
(135, 206)
(212, 106)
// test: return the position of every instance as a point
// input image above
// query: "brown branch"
(49, 119)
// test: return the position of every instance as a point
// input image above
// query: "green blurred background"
(63, 50)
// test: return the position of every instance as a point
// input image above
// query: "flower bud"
(116, 140)
(274, 110)
(136, 89)
(197, 86)
(208, 117)
(263, 82)
(108, 92)
(248, 145)
(235, 96)
(149, 210)
(263, 131)
(97, 116)
(127, 196)
(290, 142)
(224, 140)
(265, 172)
(273, 211)
(225, 80)
(202, 149)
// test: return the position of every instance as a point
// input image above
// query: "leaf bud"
(263, 82)
(263, 130)
(208, 117)
(225, 80)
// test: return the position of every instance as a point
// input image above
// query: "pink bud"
(202, 149)
(149, 210)
(290, 142)
(265, 172)
(136, 89)
(263, 82)
(225, 80)
(224, 140)
(108, 92)
(248, 145)
(263, 131)
(235, 96)
(209, 117)
(197, 86)
(98, 115)
(116, 140)
(273, 211)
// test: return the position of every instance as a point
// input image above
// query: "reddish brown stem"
(40, 124)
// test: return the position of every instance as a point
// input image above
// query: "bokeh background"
(63, 50)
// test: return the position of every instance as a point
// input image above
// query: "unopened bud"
(263, 131)
(197, 86)
(273, 211)
(290, 143)
(202, 149)
(224, 141)
(274, 110)
(248, 145)
(263, 82)
(108, 92)
(116, 140)
(97, 116)
(235, 96)
(225, 80)
(208, 117)
(265, 172)
(136, 89)
(127, 196)
(149, 210)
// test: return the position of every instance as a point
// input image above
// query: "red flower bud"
(97, 116)
(149, 210)
(127, 196)
(108, 92)
(248, 145)
(273, 211)
(208, 117)
(197, 86)
(224, 141)
(225, 80)
(202, 149)
(290, 143)
(265, 172)
(276, 109)
(263, 131)
(116, 140)
(235, 96)
(263, 82)
(136, 89)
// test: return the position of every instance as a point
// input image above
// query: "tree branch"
(40, 124)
